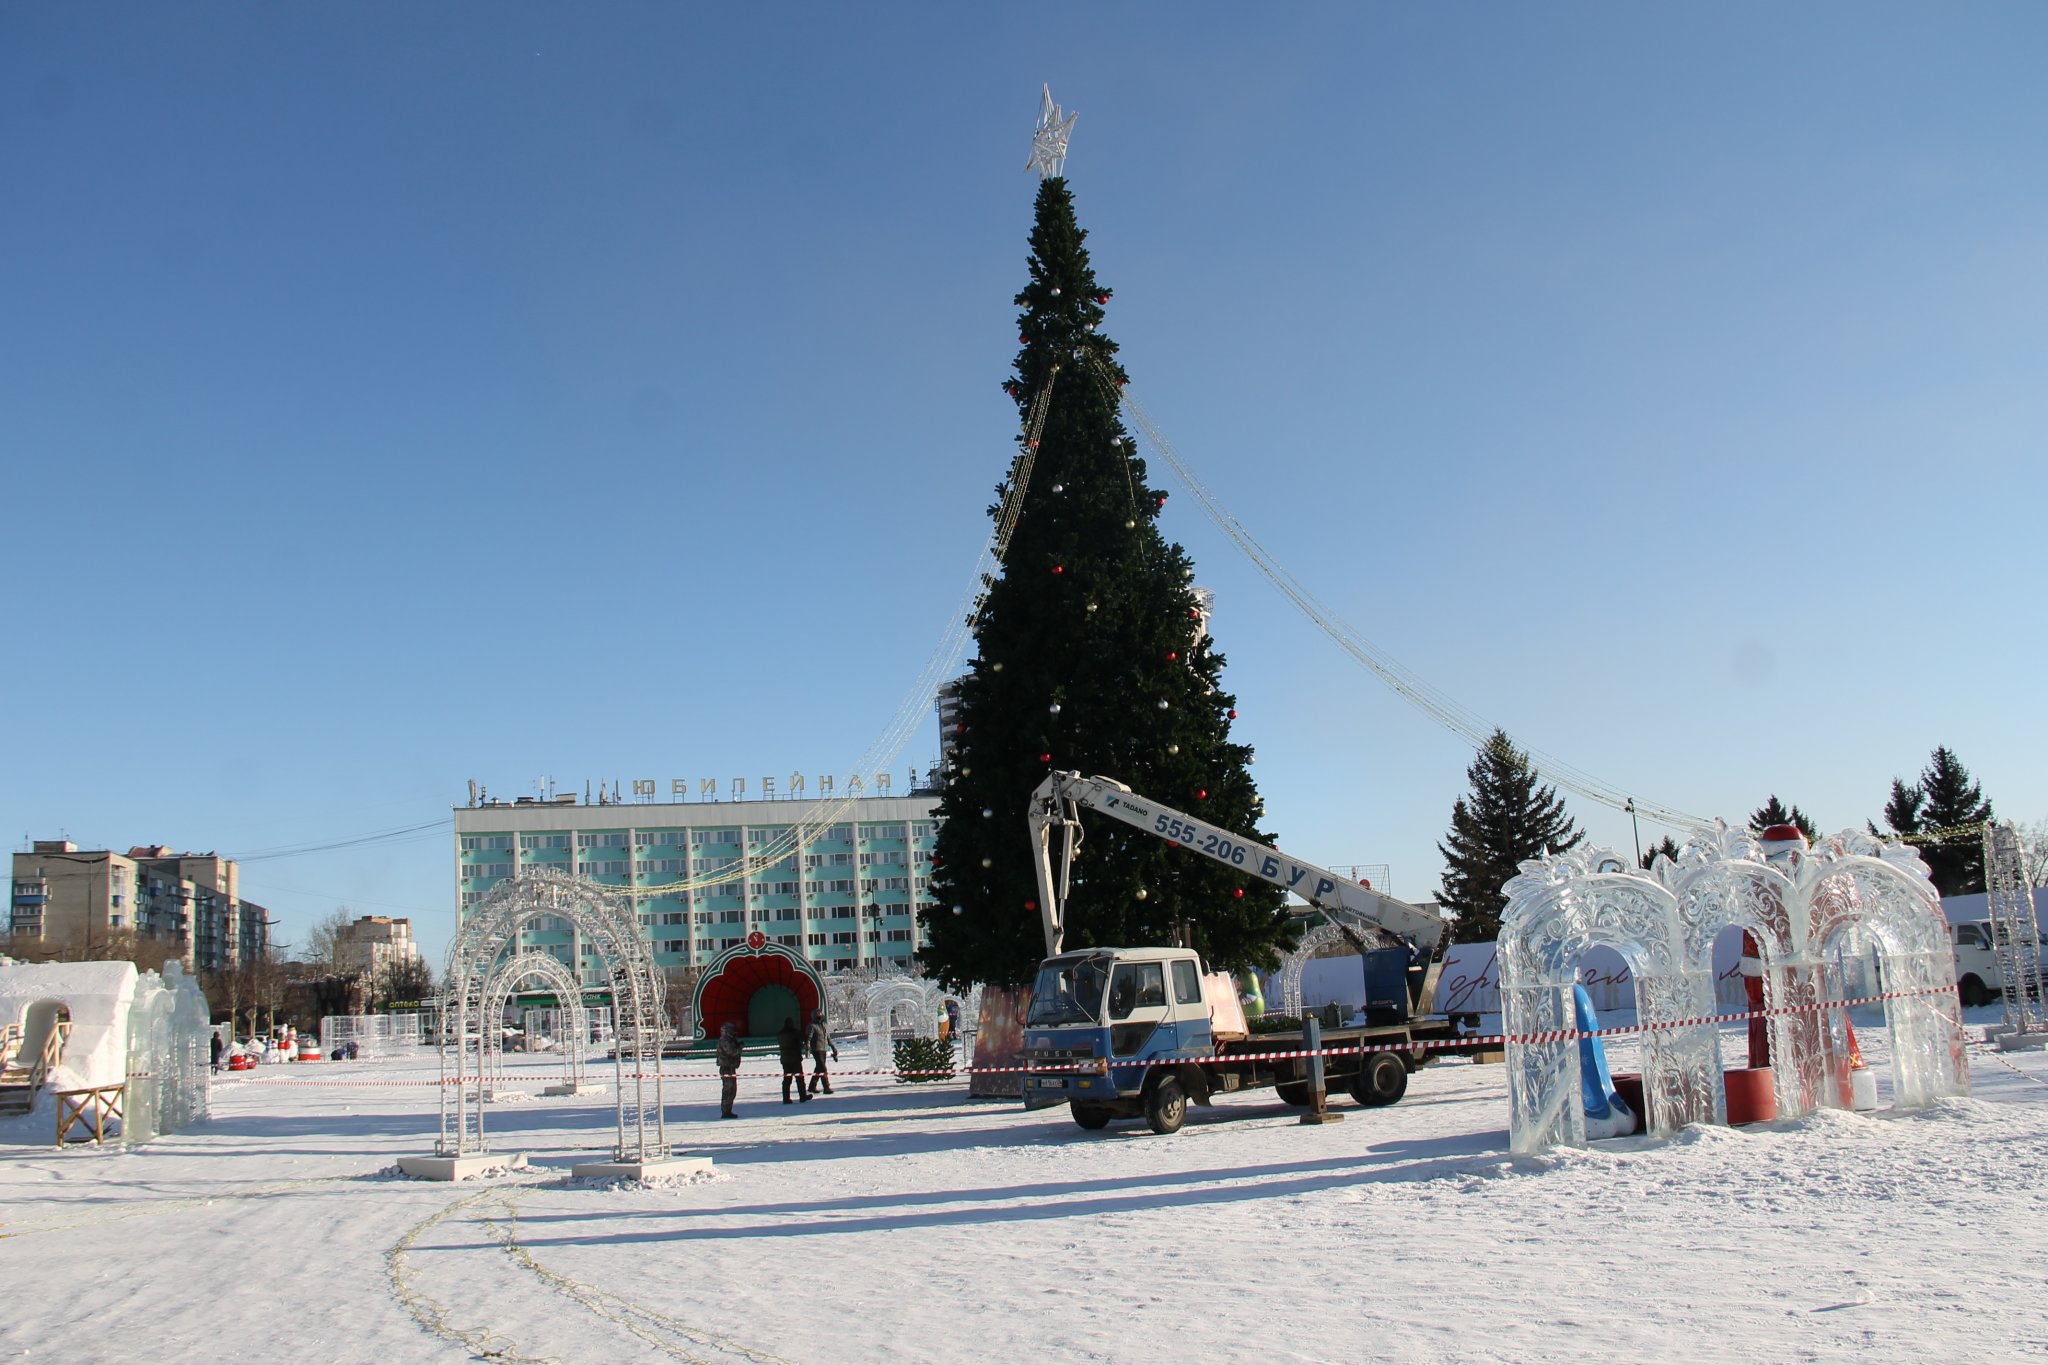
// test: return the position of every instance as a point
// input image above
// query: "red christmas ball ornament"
(959, 728)
(1238, 894)
(1194, 615)
(1059, 568)
(1024, 337)
(1233, 713)
(1172, 655)
(1030, 905)
(1102, 298)
(1202, 795)
(1045, 758)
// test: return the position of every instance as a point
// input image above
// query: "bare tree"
(2034, 852)
(326, 940)
(404, 981)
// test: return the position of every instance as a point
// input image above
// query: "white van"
(1977, 978)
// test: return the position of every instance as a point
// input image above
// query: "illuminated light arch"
(604, 920)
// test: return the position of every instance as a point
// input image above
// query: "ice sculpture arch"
(1288, 978)
(606, 922)
(507, 975)
(1664, 924)
(923, 998)
(1559, 908)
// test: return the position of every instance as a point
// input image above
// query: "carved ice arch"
(606, 923)
(1560, 908)
(1665, 923)
(924, 999)
(507, 975)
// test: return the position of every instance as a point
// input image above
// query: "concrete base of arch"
(572, 1088)
(459, 1167)
(666, 1168)
(2009, 1041)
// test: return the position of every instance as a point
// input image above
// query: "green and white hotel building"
(846, 901)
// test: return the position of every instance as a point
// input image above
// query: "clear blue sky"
(393, 395)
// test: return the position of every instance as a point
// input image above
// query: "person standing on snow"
(728, 1068)
(820, 1040)
(790, 1044)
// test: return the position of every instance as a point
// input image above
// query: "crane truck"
(1129, 1032)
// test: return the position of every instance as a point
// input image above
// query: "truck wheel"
(1091, 1116)
(1167, 1106)
(1380, 1081)
(1972, 991)
(1293, 1092)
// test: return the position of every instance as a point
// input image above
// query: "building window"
(815, 940)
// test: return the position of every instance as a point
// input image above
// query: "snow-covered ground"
(908, 1223)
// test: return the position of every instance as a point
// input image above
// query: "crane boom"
(1060, 799)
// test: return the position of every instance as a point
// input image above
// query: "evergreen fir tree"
(1773, 812)
(1668, 848)
(1901, 810)
(1092, 654)
(1954, 804)
(1508, 820)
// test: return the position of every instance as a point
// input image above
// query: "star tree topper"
(1049, 138)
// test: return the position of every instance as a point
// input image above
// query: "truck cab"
(1104, 1028)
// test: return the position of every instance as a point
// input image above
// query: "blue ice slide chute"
(1606, 1115)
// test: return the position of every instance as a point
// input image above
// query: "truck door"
(1137, 1006)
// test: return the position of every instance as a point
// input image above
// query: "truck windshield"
(1069, 992)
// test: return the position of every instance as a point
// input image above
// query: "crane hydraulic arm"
(1060, 799)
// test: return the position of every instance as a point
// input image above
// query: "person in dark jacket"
(728, 1068)
(217, 1050)
(819, 1041)
(791, 1045)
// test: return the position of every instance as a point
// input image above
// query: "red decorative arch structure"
(731, 979)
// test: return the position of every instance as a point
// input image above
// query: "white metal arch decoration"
(884, 999)
(506, 977)
(604, 920)
(1288, 978)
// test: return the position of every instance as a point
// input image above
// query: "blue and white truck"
(1130, 1032)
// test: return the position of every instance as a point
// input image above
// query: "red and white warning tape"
(1095, 1066)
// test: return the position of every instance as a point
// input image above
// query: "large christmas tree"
(1092, 654)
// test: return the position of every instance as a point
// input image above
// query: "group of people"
(790, 1042)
